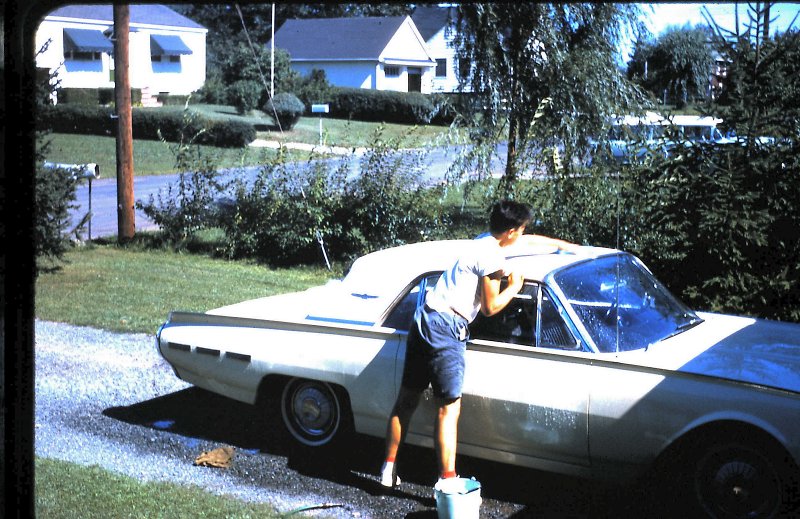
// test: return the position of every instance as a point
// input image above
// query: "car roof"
(388, 271)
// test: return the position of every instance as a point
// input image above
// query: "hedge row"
(172, 123)
(94, 96)
(382, 106)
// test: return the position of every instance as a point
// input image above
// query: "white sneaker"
(389, 475)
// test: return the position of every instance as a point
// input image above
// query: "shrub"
(285, 215)
(383, 106)
(173, 99)
(164, 123)
(287, 107)
(77, 118)
(214, 90)
(313, 89)
(292, 214)
(189, 205)
(54, 189)
(55, 199)
(730, 211)
(93, 96)
(245, 95)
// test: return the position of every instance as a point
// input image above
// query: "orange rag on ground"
(220, 458)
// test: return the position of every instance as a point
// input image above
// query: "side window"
(553, 331)
(403, 313)
(530, 319)
(515, 324)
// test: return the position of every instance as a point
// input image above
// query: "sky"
(660, 16)
(667, 14)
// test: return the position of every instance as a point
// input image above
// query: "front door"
(414, 79)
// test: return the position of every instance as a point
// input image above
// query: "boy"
(437, 340)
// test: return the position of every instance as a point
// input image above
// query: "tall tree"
(760, 94)
(544, 76)
(677, 63)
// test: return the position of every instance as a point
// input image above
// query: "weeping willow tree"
(543, 78)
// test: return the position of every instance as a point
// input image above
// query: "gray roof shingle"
(337, 38)
(153, 14)
(430, 20)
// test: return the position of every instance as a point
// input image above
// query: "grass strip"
(149, 157)
(129, 290)
(67, 490)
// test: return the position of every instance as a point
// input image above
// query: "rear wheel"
(312, 411)
(732, 481)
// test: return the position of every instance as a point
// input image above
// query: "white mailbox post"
(320, 109)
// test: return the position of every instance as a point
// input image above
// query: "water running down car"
(594, 370)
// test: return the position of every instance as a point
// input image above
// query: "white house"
(379, 53)
(436, 26)
(167, 51)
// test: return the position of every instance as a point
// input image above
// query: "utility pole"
(272, 59)
(122, 95)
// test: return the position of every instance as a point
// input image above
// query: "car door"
(525, 387)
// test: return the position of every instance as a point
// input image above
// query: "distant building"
(436, 25)
(167, 50)
(378, 53)
(718, 76)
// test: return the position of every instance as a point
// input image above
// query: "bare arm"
(492, 298)
(538, 239)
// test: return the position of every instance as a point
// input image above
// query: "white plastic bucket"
(458, 498)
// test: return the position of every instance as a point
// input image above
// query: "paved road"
(103, 198)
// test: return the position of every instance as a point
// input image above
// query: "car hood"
(755, 351)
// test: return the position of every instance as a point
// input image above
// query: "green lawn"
(350, 134)
(130, 290)
(152, 157)
(70, 491)
(149, 157)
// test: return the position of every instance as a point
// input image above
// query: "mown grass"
(152, 157)
(335, 132)
(133, 290)
(352, 134)
(149, 157)
(67, 490)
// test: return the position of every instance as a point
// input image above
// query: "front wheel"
(312, 411)
(733, 481)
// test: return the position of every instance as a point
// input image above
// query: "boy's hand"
(515, 282)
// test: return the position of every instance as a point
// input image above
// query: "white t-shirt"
(458, 289)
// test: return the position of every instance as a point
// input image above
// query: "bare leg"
(446, 435)
(396, 431)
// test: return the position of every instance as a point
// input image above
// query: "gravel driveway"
(109, 399)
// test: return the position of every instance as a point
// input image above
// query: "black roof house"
(321, 39)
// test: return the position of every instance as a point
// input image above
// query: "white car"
(594, 370)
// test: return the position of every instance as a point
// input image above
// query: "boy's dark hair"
(506, 215)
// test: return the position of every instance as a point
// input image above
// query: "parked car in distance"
(594, 370)
(633, 138)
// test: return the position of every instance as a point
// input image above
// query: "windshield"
(622, 306)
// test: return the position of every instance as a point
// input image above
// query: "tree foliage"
(761, 95)
(54, 191)
(544, 77)
(678, 62)
(732, 210)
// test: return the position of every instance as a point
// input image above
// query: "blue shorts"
(435, 349)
